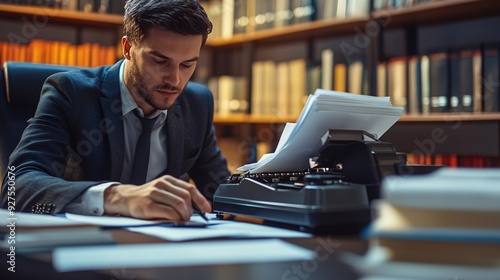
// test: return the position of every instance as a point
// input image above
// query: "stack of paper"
(27, 232)
(323, 111)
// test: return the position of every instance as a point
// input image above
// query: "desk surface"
(325, 266)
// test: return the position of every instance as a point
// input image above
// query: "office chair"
(20, 87)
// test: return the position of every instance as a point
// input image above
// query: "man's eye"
(159, 61)
(186, 65)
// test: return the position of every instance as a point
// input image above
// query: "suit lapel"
(175, 144)
(112, 112)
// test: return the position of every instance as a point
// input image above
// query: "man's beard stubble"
(145, 93)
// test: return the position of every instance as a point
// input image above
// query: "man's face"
(159, 67)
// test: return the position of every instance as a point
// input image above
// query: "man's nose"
(171, 76)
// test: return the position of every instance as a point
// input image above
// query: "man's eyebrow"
(158, 54)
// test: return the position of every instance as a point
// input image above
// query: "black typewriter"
(333, 195)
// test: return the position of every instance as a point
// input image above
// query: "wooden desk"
(325, 266)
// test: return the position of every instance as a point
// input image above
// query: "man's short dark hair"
(186, 17)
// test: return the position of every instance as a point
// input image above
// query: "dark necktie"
(141, 157)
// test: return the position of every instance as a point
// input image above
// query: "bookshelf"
(47, 34)
(392, 33)
(62, 16)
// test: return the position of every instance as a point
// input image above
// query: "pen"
(197, 210)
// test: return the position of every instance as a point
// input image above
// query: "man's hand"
(163, 198)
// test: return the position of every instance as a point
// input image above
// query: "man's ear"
(126, 46)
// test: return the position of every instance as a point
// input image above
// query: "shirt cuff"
(92, 202)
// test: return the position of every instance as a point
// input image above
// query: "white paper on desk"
(35, 221)
(47, 239)
(176, 254)
(219, 228)
(111, 221)
(323, 111)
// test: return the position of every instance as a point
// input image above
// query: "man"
(78, 152)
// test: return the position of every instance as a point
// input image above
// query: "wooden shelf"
(244, 118)
(434, 117)
(301, 31)
(451, 117)
(437, 12)
(65, 16)
(427, 13)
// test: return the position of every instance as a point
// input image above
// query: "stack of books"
(443, 225)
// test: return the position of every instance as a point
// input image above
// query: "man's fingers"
(175, 185)
(179, 204)
(164, 198)
(202, 203)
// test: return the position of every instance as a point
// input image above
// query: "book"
(283, 88)
(466, 81)
(283, 13)
(326, 9)
(382, 79)
(258, 85)
(357, 8)
(240, 17)
(477, 81)
(260, 8)
(327, 69)
(213, 8)
(340, 77)
(491, 80)
(468, 189)
(269, 103)
(298, 76)
(441, 246)
(341, 9)
(303, 11)
(355, 75)
(414, 102)
(397, 80)
(225, 91)
(377, 265)
(425, 82)
(438, 82)
(392, 216)
(455, 102)
(227, 18)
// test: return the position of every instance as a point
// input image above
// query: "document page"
(218, 228)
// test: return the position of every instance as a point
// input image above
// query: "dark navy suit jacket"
(76, 139)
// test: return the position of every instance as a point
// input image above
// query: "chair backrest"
(20, 87)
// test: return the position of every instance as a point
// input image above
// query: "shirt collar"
(128, 102)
